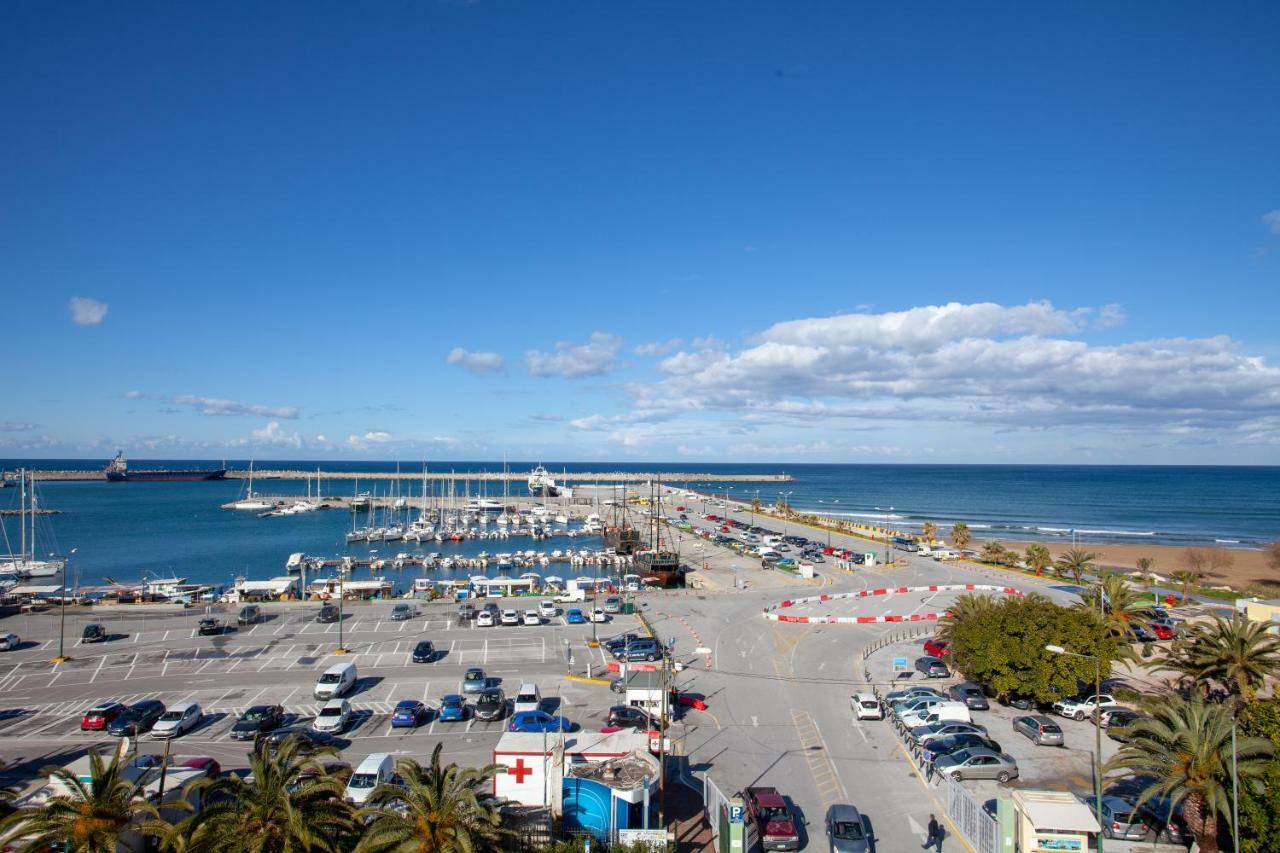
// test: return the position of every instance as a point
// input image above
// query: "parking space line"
(136, 637)
(101, 661)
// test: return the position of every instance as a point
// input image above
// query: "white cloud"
(272, 435)
(217, 405)
(572, 361)
(658, 347)
(1272, 220)
(475, 362)
(86, 311)
(1007, 367)
(369, 439)
(1110, 316)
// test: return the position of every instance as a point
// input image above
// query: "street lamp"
(62, 617)
(753, 508)
(1097, 731)
(342, 593)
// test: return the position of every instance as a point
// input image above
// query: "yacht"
(249, 502)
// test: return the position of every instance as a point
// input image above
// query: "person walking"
(936, 834)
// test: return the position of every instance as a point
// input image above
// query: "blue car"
(453, 709)
(474, 681)
(574, 617)
(538, 721)
(410, 713)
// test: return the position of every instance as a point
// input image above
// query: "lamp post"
(62, 612)
(1097, 731)
(753, 508)
(342, 593)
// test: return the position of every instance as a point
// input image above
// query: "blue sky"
(716, 231)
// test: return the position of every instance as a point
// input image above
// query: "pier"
(562, 477)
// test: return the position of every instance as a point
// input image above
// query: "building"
(1267, 610)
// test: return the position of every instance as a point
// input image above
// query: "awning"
(1064, 814)
(33, 590)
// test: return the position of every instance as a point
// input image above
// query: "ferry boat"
(542, 484)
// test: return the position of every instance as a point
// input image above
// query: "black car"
(629, 716)
(1118, 722)
(424, 651)
(615, 643)
(490, 704)
(259, 719)
(137, 719)
(971, 695)
(93, 633)
(315, 738)
(209, 625)
(639, 651)
(328, 613)
(1022, 703)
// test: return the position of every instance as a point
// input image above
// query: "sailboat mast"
(22, 517)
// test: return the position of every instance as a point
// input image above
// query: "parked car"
(846, 831)
(547, 610)
(424, 651)
(327, 614)
(531, 617)
(1020, 702)
(598, 615)
(1167, 824)
(474, 680)
(209, 626)
(935, 647)
(453, 708)
(865, 706)
(613, 604)
(574, 616)
(257, 720)
(466, 611)
(408, 713)
(615, 643)
(775, 823)
(99, 717)
(977, 763)
(137, 719)
(1039, 729)
(538, 721)
(314, 737)
(1119, 721)
(932, 667)
(629, 716)
(177, 720)
(93, 633)
(490, 704)
(1084, 707)
(401, 611)
(9, 642)
(910, 692)
(485, 619)
(640, 651)
(333, 717)
(510, 617)
(1120, 818)
(971, 695)
(952, 744)
(933, 731)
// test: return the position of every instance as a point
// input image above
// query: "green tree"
(93, 817)
(929, 532)
(968, 608)
(1186, 580)
(440, 809)
(291, 806)
(1077, 562)
(1183, 753)
(1260, 809)
(960, 536)
(1037, 558)
(994, 552)
(1235, 652)
(1121, 608)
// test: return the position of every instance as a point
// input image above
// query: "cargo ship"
(117, 471)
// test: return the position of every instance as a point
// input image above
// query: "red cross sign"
(520, 771)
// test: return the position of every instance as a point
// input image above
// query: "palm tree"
(1037, 557)
(929, 532)
(993, 552)
(1183, 753)
(291, 806)
(1186, 578)
(91, 818)
(966, 608)
(1077, 562)
(440, 809)
(960, 536)
(1235, 652)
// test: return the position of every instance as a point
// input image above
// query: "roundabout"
(921, 604)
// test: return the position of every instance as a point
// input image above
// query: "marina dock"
(409, 475)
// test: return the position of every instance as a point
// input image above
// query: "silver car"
(977, 763)
(1040, 729)
(1119, 818)
(924, 734)
(846, 831)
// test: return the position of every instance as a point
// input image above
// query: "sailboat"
(249, 502)
(24, 564)
(658, 565)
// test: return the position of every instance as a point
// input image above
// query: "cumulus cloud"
(475, 362)
(369, 439)
(658, 347)
(572, 361)
(1010, 367)
(272, 435)
(217, 405)
(86, 311)
(1272, 220)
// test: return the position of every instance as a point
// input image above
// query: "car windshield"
(255, 714)
(170, 716)
(848, 830)
(474, 674)
(363, 780)
(330, 678)
(487, 699)
(330, 712)
(404, 709)
(775, 813)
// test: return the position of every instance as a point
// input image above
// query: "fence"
(716, 805)
(981, 830)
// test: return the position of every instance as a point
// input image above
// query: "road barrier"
(771, 613)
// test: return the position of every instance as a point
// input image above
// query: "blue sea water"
(122, 530)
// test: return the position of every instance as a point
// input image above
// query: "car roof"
(473, 671)
(528, 687)
(102, 706)
(183, 706)
(524, 714)
(846, 813)
(452, 697)
(257, 708)
(407, 703)
(335, 703)
(148, 703)
(372, 762)
(424, 642)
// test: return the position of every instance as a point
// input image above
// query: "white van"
(528, 698)
(938, 712)
(866, 706)
(570, 595)
(336, 680)
(375, 770)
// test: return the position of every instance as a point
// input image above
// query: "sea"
(129, 531)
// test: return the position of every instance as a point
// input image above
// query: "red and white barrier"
(868, 593)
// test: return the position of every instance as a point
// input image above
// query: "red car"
(1163, 632)
(97, 718)
(210, 767)
(935, 647)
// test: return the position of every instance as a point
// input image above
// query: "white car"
(547, 610)
(484, 619)
(334, 717)
(9, 642)
(1079, 709)
(178, 720)
(598, 615)
(510, 617)
(866, 706)
(531, 617)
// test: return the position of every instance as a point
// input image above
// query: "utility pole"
(342, 593)
(662, 748)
